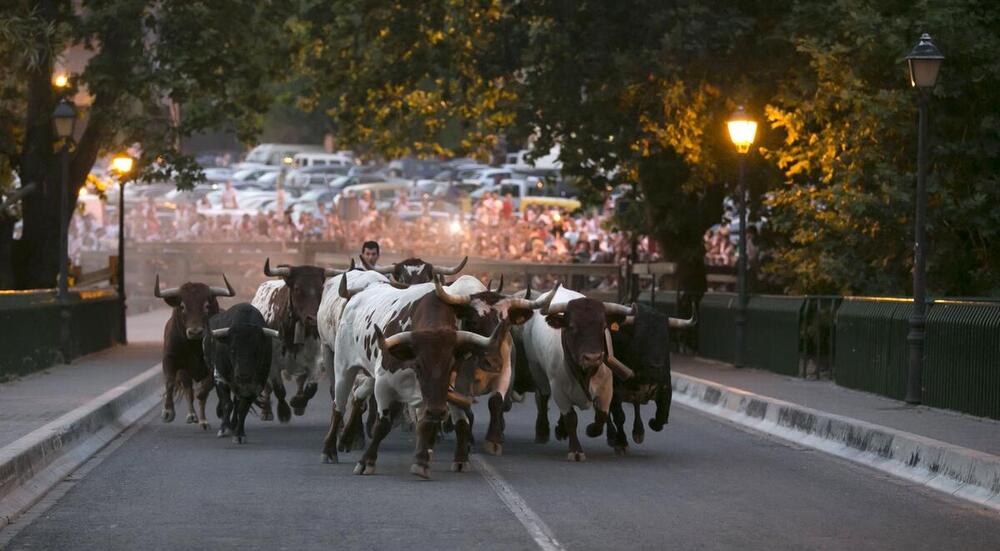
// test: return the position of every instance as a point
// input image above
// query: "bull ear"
(172, 302)
(556, 321)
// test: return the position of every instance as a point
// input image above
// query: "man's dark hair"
(371, 245)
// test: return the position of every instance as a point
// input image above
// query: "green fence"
(871, 351)
(717, 326)
(962, 357)
(31, 323)
(773, 333)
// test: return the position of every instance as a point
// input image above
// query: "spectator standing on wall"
(229, 197)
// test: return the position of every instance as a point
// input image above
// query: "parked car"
(312, 159)
(383, 193)
(526, 192)
(274, 154)
(413, 169)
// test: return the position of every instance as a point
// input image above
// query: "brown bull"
(183, 360)
(415, 270)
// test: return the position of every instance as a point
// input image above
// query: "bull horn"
(167, 293)
(282, 271)
(342, 291)
(220, 292)
(380, 269)
(616, 366)
(451, 270)
(621, 309)
(499, 288)
(220, 333)
(387, 343)
(460, 400)
(542, 301)
(681, 323)
(547, 308)
(477, 340)
(273, 333)
(527, 288)
(330, 272)
(449, 298)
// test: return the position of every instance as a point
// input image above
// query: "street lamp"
(122, 165)
(924, 62)
(64, 121)
(742, 130)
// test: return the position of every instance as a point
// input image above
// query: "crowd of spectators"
(489, 228)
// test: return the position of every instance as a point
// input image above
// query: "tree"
(196, 55)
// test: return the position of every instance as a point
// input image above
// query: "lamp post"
(122, 165)
(64, 120)
(742, 130)
(924, 62)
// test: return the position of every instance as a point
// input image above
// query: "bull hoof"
(576, 457)
(267, 415)
(167, 415)
(459, 467)
(284, 413)
(595, 429)
(191, 419)
(638, 437)
(239, 440)
(223, 432)
(493, 448)
(298, 401)
(330, 459)
(621, 450)
(656, 425)
(204, 425)
(423, 471)
(364, 470)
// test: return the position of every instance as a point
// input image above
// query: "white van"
(302, 160)
(273, 154)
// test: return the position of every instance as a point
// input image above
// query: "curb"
(33, 464)
(964, 473)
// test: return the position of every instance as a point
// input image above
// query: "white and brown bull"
(290, 306)
(193, 304)
(566, 349)
(413, 362)
(482, 311)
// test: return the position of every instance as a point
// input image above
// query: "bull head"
(193, 304)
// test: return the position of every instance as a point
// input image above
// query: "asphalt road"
(699, 484)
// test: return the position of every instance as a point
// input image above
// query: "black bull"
(643, 344)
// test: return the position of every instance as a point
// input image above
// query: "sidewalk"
(32, 401)
(947, 426)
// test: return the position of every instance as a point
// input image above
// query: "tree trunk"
(679, 216)
(7, 280)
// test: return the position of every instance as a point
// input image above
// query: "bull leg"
(494, 433)
(266, 414)
(596, 428)
(542, 418)
(372, 416)
(569, 422)
(188, 388)
(241, 420)
(284, 412)
(426, 430)
(639, 433)
(330, 442)
(225, 409)
(617, 426)
(382, 427)
(664, 395)
(353, 428)
(298, 402)
(204, 388)
(169, 383)
(463, 433)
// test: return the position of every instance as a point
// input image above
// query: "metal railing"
(962, 362)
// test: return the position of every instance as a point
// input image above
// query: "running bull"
(193, 305)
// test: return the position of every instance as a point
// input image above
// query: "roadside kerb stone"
(965, 473)
(32, 465)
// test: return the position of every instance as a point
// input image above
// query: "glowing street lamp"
(742, 130)
(924, 63)
(122, 165)
(60, 80)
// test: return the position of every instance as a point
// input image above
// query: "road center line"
(539, 531)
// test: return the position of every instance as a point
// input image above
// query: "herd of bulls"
(403, 346)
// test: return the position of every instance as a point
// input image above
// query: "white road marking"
(539, 531)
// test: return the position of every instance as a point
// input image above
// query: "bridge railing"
(38, 330)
